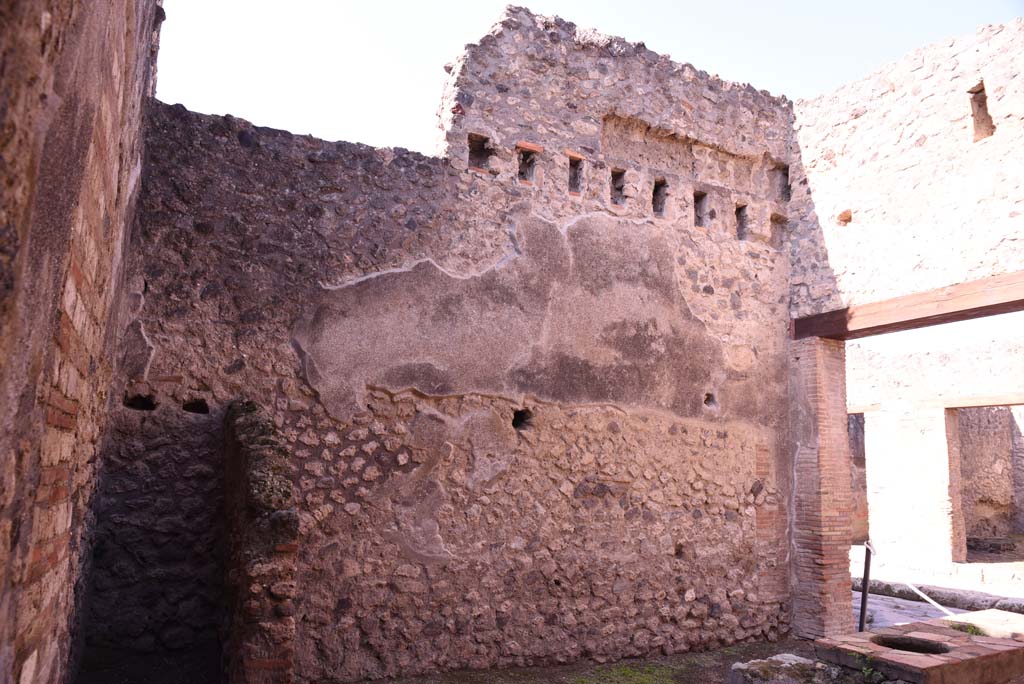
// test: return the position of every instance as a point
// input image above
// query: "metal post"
(864, 587)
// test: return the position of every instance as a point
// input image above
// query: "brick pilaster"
(822, 496)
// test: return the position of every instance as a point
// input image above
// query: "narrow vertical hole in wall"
(618, 186)
(779, 230)
(659, 197)
(700, 208)
(575, 175)
(479, 151)
(527, 164)
(741, 221)
(983, 124)
(779, 176)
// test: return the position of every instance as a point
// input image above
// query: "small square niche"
(527, 164)
(742, 226)
(618, 189)
(779, 178)
(700, 208)
(480, 151)
(659, 197)
(575, 175)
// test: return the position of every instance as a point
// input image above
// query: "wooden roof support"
(974, 299)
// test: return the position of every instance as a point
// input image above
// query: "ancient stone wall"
(897, 191)
(987, 456)
(537, 394)
(534, 392)
(262, 530)
(72, 82)
(156, 584)
(905, 181)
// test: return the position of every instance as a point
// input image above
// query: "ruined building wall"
(903, 185)
(892, 194)
(898, 152)
(262, 527)
(528, 422)
(988, 456)
(73, 79)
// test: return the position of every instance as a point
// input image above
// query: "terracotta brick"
(59, 419)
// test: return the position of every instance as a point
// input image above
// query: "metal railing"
(869, 550)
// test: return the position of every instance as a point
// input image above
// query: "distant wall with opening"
(941, 461)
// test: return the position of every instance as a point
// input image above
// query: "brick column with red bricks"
(822, 496)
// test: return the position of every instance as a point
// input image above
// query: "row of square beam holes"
(480, 153)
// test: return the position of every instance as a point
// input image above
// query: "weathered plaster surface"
(393, 311)
(591, 316)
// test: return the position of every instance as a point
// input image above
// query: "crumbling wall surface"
(71, 84)
(986, 462)
(526, 423)
(262, 526)
(892, 168)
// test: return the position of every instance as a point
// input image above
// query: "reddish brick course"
(952, 657)
(70, 172)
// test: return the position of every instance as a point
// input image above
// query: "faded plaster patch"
(138, 352)
(591, 315)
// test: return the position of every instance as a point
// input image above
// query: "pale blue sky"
(372, 72)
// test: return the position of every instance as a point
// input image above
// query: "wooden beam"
(985, 297)
(975, 401)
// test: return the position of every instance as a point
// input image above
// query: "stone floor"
(886, 611)
(996, 574)
(710, 667)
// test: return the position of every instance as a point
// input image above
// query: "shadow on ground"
(709, 667)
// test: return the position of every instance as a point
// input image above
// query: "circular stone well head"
(910, 644)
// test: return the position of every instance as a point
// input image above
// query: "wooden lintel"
(974, 299)
(974, 401)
